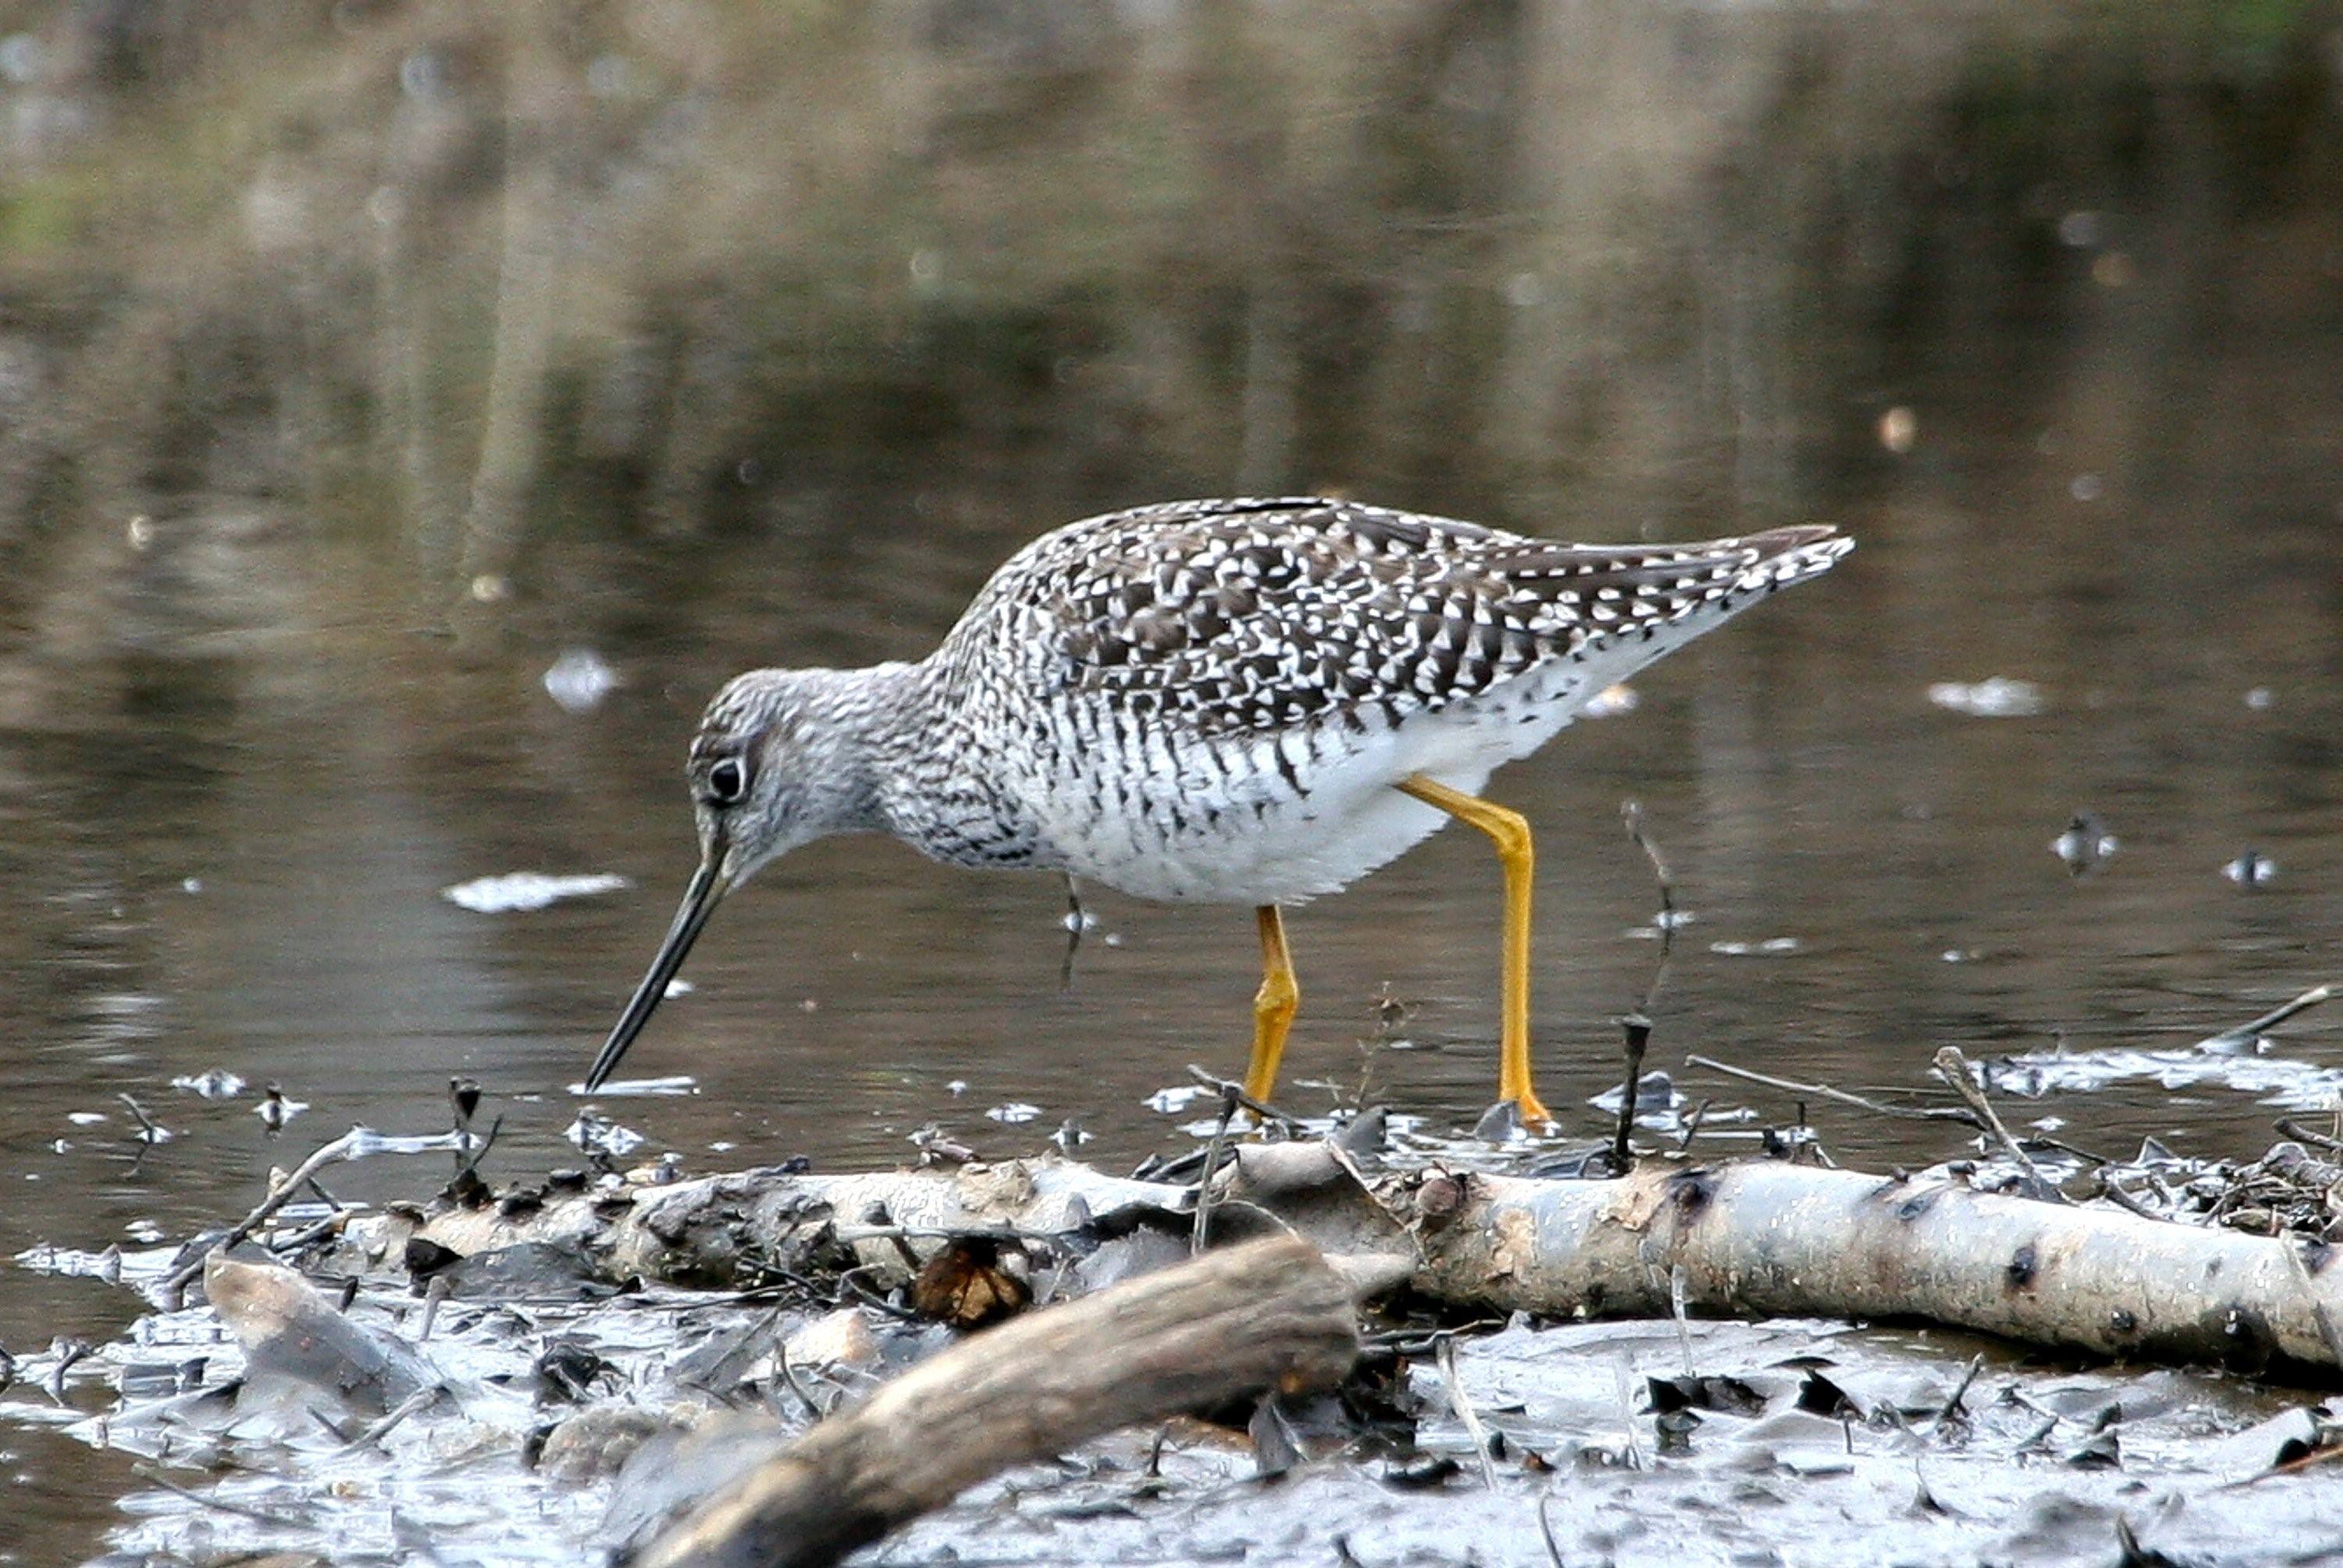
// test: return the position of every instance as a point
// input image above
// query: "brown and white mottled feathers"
(1253, 614)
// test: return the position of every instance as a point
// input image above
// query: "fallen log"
(1768, 1239)
(1754, 1238)
(1269, 1314)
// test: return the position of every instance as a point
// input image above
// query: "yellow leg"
(1511, 834)
(1273, 1005)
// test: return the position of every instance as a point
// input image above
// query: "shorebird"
(1248, 702)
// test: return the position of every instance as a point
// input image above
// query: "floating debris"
(2235, 1058)
(2251, 869)
(2260, 698)
(275, 1109)
(522, 890)
(596, 1134)
(1659, 1105)
(2085, 844)
(1771, 947)
(1899, 428)
(580, 679)
(674, 1083)
(1611, 702)
(1997, 697)
(217, 1085)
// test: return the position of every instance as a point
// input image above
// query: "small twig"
(1692, 1125)
(2276, 1016)
(1075, 920)
(149, 1130)
(154, 1475)
(462, 1136)
(2111, 1191)
(1913, 1112)
(435, 1292)
(790, 1380)
(1638, 1029)
(1956, 1068)
(1621, 1369)
(1200, 1235)
(294, 1244)
(1463, 1406)
(422, 1399)
(1952, 1406)
(1545, 1529)
(2301, 1134)
(882, 1227)
(354, 1145)
(1632, 815)
(278, 1196)
(1225, 1088)
(854, 1287)
(1678, 1290)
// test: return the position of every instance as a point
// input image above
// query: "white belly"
(1263, 844)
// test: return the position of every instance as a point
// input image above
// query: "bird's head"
(779, 760)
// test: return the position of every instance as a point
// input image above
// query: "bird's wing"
(1229, 615)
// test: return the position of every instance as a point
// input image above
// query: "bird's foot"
(1510, 1118)
(1534, 1116)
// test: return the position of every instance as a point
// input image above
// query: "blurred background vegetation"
(454, 275)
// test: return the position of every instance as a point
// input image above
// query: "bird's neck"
(866, 729)
(932, 784)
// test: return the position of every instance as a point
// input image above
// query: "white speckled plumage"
(1211, 701)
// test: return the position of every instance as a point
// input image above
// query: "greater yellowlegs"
(1229, 702)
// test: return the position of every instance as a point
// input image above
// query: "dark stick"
(1201, 1236)
(1956, 1068)
(350, 1145)
(148, 1130)
(1952, 1406)
(1639, 1036)
(1637, 1023)
(1231, 1089)
(1073, 933)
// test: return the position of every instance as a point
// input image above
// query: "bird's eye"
(726, 782)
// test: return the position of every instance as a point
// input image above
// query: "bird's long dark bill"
(700, 901)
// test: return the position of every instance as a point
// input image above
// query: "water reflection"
(335, 413)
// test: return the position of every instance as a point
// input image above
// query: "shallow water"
(2077, 401)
